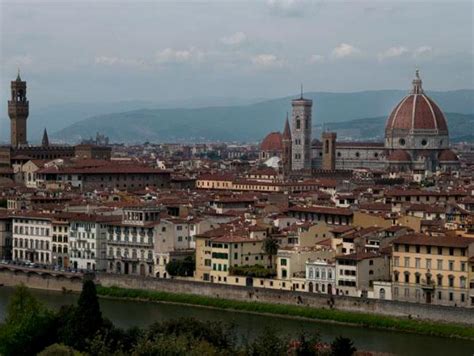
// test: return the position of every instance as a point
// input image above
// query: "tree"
(342, 346)
(59, 350)
(29, 327)
(183, 268)
(270, 247)
(81, 323)
(269, 343)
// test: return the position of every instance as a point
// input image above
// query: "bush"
(183, 268)
(253, 271)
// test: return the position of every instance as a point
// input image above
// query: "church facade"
(416, 140)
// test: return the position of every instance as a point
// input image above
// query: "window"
(407, 262)
(428, 263)
(451, 281)
(283, 261)
(298, 123)
(440, 264)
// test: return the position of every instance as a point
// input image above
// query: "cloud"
(423, 52)
(113, 60)
(344, 50)
(267, 60)
(170, 55)
(316, 58)
(392, 52)
(23, 60)
(291, 8)
(234, 39)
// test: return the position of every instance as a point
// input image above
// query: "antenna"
(301, 91)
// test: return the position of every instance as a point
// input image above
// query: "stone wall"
(47, 280)
(38, 279)
(384, 307)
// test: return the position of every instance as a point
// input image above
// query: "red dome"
(273, 142)
(418, 112)
(447, 156)
(399, 156)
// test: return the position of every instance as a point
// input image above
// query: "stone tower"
(18, 109)
(329, 150)
(301, 133)
(286, 148)
(45, 140)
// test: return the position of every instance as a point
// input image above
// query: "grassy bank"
(354, 318)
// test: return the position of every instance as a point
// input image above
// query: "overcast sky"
(77, 51)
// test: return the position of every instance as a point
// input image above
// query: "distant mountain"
(461, 128)
(248, 122)
(57, 117)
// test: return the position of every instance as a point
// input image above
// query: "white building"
(130, 241)
(321, 276)
(32, 238)
(87, 241)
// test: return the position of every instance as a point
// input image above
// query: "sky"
(106, 51)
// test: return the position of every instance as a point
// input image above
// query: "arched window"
(382, 293)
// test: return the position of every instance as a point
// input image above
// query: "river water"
(129, 313)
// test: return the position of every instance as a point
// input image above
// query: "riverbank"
(352, 318)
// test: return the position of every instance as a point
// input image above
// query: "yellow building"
(432, 269)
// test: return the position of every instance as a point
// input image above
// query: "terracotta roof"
(447, 156)
(416, 111)
(441, 241)
(322, 210)
(358, 256)
(399, 156)
(103, 169)
(272, 142)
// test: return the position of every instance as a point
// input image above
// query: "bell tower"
(18, 110)
(301, 133)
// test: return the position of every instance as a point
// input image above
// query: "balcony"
(129, 243)
(427, 284)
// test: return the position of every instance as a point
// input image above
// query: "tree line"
(75, 330)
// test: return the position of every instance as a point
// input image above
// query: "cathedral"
(416, 140)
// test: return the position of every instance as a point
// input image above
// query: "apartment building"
(32, 237)
(87, 241)
(433, 269)
(130, 242)
(355, 273)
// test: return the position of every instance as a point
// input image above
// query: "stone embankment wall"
(40, 279)
(48, 280)
(385, 307)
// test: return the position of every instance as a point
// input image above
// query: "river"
(129, 313)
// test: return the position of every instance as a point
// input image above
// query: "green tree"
(270, 247)
(80, 324)
(269, 343)
(183, 268)
(306, 345)
(29, 327)
(342, 346)
(59, 350)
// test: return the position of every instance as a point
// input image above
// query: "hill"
(247, 122)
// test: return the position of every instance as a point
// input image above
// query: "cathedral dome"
(447, 156)
(417, 112)
(272, 142)
(399, 156)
